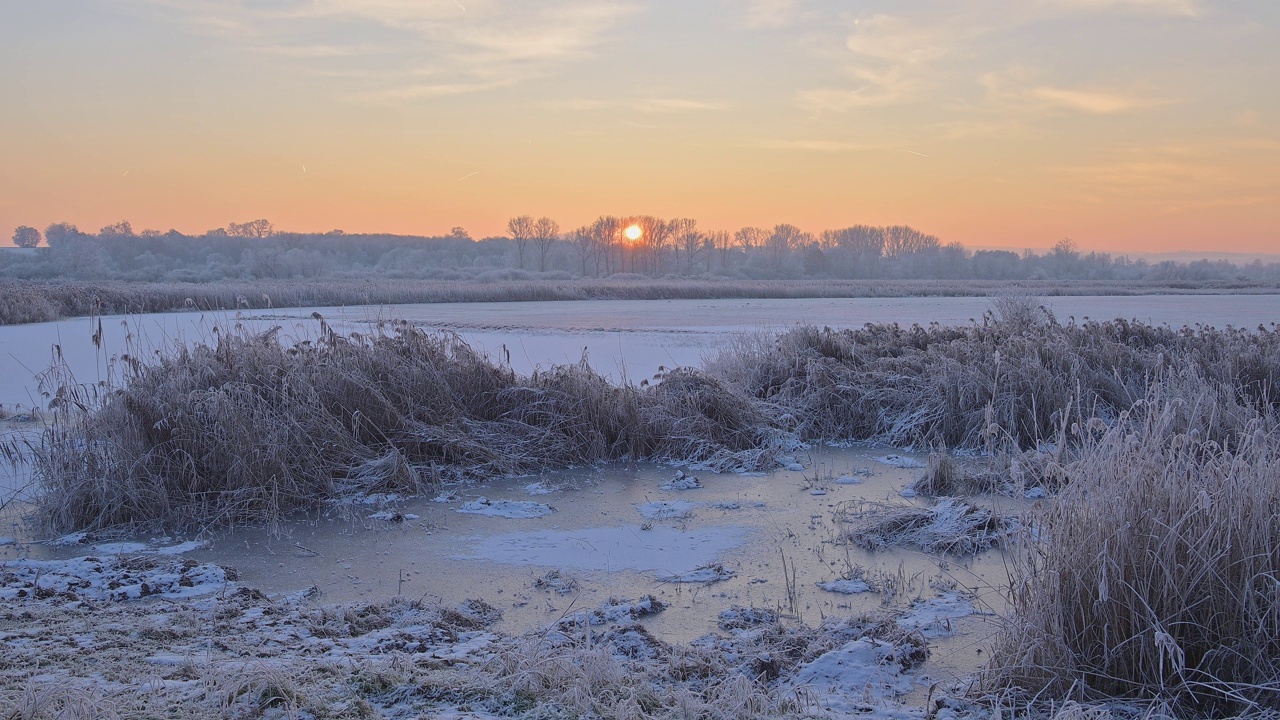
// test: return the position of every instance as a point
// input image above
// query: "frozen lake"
(622, 338)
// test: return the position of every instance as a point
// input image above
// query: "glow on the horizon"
(1127, 126)
(633, 233)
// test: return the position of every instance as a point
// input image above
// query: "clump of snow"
(393, 516)
(735, 505)
(788, 462)
(682, 482)
(76, 538)
(900, 461)
(858, 677)
(109, 578)
(141, 548)
(738, 618)
(446, 498)
(713, 572)
(8, 541)
(845, 587)
(666, 510)
(855, 477)
(379, 499)
(539, 488)
(516, 509)
(1035, 493)
(932, 617)
(613, 610)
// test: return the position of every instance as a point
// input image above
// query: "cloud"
(464, 47)
(1092, 101)
(819, 146)
(770, 13)
(649, 105)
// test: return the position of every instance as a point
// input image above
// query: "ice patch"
(712, 572)
(899, 461)
(516, 509)
(661, 550)
(933, 617)
(393, 516)
(845, 587)
(140, 548)
(666, 510)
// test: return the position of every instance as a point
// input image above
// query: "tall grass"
(1156, 574)
(999, 384)
(244, 428)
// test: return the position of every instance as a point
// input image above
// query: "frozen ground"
(742, 573)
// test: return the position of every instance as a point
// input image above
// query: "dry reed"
(1156, 574)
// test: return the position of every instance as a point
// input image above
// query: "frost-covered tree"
(26, 236)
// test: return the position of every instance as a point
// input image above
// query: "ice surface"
(516, 509)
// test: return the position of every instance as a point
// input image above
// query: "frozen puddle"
(663, 550)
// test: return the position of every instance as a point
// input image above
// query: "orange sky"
(1127, 125)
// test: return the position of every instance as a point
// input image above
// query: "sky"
(1129, 126)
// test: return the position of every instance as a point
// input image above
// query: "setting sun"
(633, 232)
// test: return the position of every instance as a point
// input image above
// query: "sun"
(633, 232)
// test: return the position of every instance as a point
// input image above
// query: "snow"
(613, 610)
(539, 488)
(1035, 493)
(111, 577)
(899, 461)
(682, 482)
(859, 676)
(845, 587)
(933, 617)
(666, 510)
(712, 572)
(515, 509)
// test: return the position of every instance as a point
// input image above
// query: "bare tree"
(783, 240)
(26, 236)
(583, 242)
(521, 230)
(460, 233)
(687, 242)
(121, 229)
(722, 241)
(750, 238)
(251, 229)
(545, 233)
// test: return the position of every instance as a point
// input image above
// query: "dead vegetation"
(1156, 574)
(240, 654)
(950, 526)
(245, 429)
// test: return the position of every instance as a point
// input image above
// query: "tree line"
(609, 246)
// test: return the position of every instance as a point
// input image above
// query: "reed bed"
(1001, 386)
(246, 429)
(1155, 575)
(27, 301)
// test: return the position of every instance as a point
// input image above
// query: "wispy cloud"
(1093, 101)
(654, 105)
(934, 51)
(463, 46)
(770, 13)
(818, 146)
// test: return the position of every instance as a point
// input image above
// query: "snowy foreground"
(133, 634)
